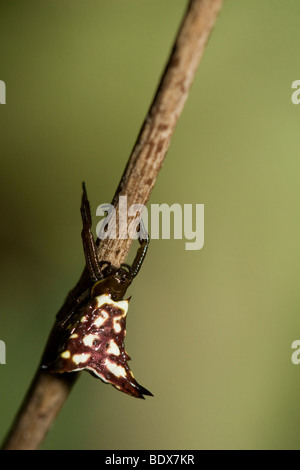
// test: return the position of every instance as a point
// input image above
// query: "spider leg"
(144, 240)
(89, 247)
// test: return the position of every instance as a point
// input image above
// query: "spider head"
(114, 283)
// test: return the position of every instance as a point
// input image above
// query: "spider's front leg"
(144, 241)
(89, 246)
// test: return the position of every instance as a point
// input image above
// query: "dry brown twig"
(48, 392)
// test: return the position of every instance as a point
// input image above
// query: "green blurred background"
(209, 331)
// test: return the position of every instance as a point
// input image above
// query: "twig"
(48, 392)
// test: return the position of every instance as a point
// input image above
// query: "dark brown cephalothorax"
(95, 334)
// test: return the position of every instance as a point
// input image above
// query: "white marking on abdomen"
(78, 358)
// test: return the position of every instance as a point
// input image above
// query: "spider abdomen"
(95, 343)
